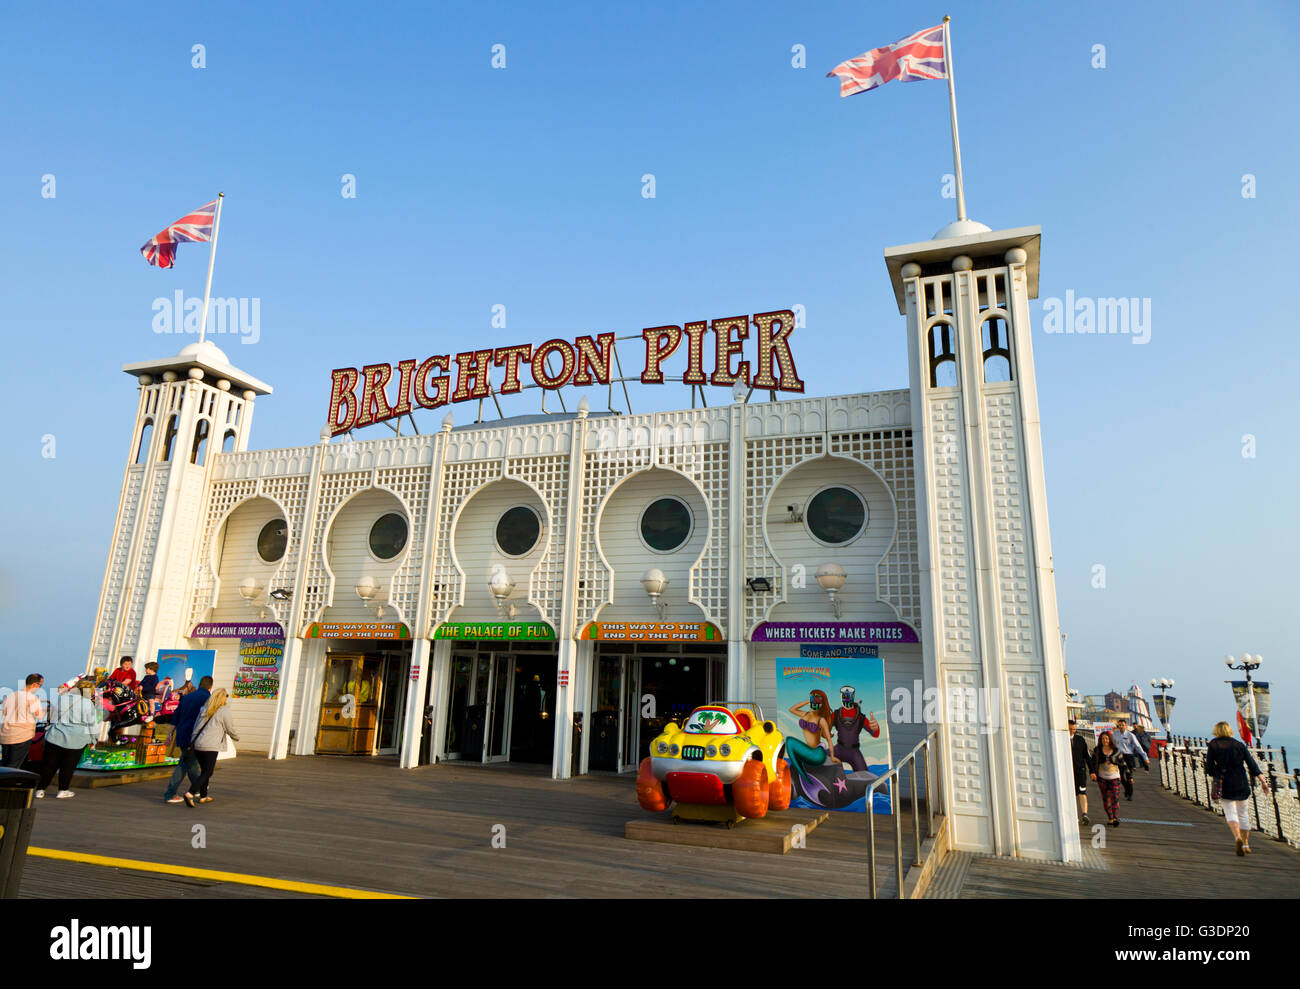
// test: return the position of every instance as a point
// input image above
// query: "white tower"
(190, 406)
(990, 634)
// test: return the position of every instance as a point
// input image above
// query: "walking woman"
(74, 725)
(1227, 762)
(1106, 764)
(210, 730)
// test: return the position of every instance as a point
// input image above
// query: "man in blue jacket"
(183, 720)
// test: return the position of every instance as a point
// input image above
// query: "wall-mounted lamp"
(368, 591)
(655, 583)
(759, 585)
(249, 590)
(831, 577)
(502, 587)
(281, 594)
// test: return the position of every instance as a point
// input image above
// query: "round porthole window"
(388, 536)
(518, 530)
(272, 540)
(836, 515)
(666, 524)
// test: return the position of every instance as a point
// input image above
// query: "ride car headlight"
(725, 749)
(711, 751)
(662, 747)
(673, 748)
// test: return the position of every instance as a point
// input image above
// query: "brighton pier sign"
(364, 397)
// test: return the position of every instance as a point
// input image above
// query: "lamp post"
(1163, 684)
(1248, 663)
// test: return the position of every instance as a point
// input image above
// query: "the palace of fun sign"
(383, 391)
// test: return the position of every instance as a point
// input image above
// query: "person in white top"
(20, 712)
(1131, 749)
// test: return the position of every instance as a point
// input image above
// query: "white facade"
(955, 545)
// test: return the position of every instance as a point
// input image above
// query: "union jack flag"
(918, 56)
(193, 227)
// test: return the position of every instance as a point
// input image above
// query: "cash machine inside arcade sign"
(384, 391)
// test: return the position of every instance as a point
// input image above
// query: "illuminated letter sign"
(365, 397)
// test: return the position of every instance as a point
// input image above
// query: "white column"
(289, 667)
(566, 661)
(296, 651)
(438, 696)
(313, 682)
(413, 717)
(740, 667)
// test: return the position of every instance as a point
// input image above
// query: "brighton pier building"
(515, 590)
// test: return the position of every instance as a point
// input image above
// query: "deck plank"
(428, 832)
(1168, 848)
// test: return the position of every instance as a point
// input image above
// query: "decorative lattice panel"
(965, 741)
(223, 496)
(550, 476)
(952, 556)
(1026, 711)
(766, 461)
(711, 575)
(1019, 613)
(114, 583)
(889, 453)
(144, 565)
(411, 486)
(460, 479)
(290, 493)
(335, 489)
(602, 470)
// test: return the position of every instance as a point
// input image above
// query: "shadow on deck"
(1165, 847)
(426, 832)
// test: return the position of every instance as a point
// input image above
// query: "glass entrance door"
(462, 679)
(392, 702)
(478, 714)
(500, 692)
(630, 728)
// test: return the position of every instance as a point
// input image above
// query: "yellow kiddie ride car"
(724, 763)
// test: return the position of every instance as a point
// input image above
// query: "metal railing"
(929, 749)
(1276, 813)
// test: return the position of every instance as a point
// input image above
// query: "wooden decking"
(425, 832)
(1165, 847)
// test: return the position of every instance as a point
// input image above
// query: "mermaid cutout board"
(833, 713)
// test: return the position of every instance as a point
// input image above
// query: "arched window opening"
(146, 435)
(228, 442)
(943, 358)
(169, 439)
(199, 449)
(996, 337)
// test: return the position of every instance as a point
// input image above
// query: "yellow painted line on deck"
(216, 875)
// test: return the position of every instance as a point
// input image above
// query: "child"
(124, 672)
(149, 687)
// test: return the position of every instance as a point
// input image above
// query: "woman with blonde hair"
(1227, 762)
(211, 730)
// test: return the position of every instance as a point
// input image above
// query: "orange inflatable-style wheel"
(780, 788)
(750, 791)
(649, 791)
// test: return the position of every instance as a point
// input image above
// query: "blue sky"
(522, 187)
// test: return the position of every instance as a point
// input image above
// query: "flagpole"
(952, 109)
(212, 256)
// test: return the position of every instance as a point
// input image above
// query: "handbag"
(1216, 790)
(189, 752)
